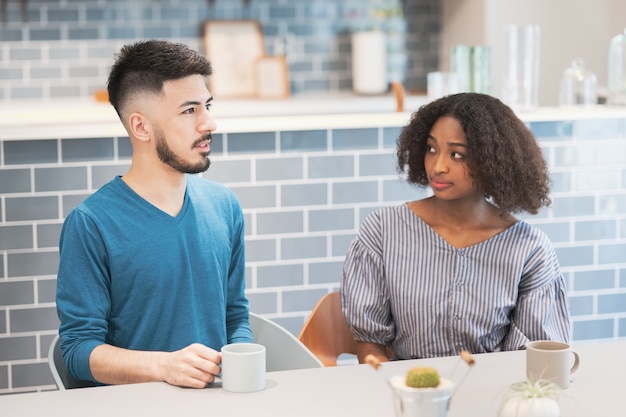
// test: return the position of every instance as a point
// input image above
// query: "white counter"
(88, 118)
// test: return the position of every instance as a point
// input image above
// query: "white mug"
(243, 367)
(552, 361)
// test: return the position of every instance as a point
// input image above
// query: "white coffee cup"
(243, 367)
(552, 361)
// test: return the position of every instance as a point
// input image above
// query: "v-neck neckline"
(411, 216)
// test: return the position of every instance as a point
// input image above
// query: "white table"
(598, 389)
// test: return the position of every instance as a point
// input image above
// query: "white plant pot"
(529, 407)
(421, 402)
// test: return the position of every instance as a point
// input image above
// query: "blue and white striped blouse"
(405, 286)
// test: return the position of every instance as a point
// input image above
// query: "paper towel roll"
(369, 62)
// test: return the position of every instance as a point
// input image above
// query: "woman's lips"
(440, 185)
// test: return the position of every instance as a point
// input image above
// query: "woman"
(457, 271)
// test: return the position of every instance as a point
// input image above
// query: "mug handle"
(576, 362)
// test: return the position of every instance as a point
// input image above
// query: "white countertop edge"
(85, 129)
(89, 119)
(551, 114)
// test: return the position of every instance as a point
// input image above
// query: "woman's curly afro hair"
(503, 157)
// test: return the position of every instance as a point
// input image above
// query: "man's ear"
(138, 125)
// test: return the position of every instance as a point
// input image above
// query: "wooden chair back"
(326, 333)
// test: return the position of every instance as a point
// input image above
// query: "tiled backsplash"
(304, 194)
(64, 48)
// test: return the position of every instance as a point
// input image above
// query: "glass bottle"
(578, 85)
(617, 70)
(520, 88)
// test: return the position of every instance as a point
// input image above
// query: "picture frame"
(233, 47)
(272, 79)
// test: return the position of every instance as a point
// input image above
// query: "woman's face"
(445, 160)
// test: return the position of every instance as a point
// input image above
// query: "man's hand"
(194, 366)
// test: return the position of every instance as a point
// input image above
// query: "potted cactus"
(422, 377)
(421, 392)
(531, 399)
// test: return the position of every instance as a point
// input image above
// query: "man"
(151, 276)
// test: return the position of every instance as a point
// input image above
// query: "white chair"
(282, 349)
(62, 376)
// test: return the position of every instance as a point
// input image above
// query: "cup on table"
(552, 361)
(243, 367)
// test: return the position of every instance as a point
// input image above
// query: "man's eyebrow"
(464, 145)
(196, 103)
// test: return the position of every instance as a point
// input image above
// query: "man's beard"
(167, 156)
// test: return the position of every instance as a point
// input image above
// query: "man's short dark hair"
(143, 67)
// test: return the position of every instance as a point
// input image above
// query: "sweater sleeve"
(237, 325)
(83, 300)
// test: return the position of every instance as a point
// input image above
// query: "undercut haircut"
(143, 66)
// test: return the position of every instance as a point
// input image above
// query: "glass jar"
(578, 85)
(520, 86)
(617, 70)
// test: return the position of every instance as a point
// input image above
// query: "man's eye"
(189, 111)
(208, 106)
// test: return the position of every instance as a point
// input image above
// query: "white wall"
(569, 29)
(463, 23)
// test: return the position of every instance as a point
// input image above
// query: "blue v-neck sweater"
(133, 276)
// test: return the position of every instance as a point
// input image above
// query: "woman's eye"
(208, 106)
(457, 155)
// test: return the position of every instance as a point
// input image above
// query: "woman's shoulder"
(388, 214)
(386, 221)
(524, 233)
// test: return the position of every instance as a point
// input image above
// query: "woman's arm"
(380, 352)
(542, 308)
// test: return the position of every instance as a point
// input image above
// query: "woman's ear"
(138, 125)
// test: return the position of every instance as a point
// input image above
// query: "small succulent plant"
(532, 398)
(422, 377)
(539, 388)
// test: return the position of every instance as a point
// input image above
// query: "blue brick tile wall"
(304, 194)
(61, 49)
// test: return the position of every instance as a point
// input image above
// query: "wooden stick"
(373, 361)
(467, 357)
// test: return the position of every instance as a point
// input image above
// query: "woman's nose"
(441, 164)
